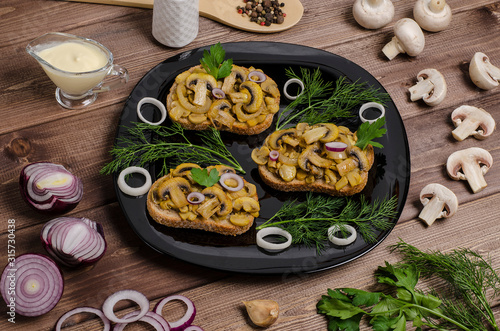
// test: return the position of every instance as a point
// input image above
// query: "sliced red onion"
(235, 177)
(134, 191)
(257, 76)
(105, 321)
(185, 320)
(273, 230)
(49, 187)
(132, 295)
(31, 285)
(152, 318)
(218, 93)
(335, 146)
(74, 241)
(342, 241)
(193, 328)
(195, 198)
(274, 155)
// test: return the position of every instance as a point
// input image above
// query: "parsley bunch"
(214, 64)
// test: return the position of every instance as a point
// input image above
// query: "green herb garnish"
(214, 64)
(308, 221)
(366, 132)
(170, 147)
(204, 178)
(323, 102)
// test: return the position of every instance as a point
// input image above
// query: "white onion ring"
(134, 191)
(260, 75)
(291, 81)
(152, 318)
(106, 322)
(185, 320)
(342, 241)
(367, 105)
(229, 175)
(274, 155)
(195, 198)
(273, 231)
(137, 297)
(155, 102)
(335, 146)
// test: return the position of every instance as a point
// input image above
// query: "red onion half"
(74, 241)
(184, 321)
(49, 187)
(31, 285)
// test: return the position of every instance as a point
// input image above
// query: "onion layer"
(31, 285)
(293, 81)
(273, 230)
(184, 321)
(195, 198)
(274, 155)
(106, 322)
(231, 176)
(49, 187)
(132, 295)
(134, 191)
(368, 105)
(335, 146)
(218, 93)
(155, 102)
(74, 241)
(152, 318)
(257, 76)
(193, 328)
(342, 241)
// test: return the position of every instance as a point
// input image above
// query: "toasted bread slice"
(304, 164)
(247, 108)
(222, 211)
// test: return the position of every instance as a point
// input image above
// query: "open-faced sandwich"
(320, 158)
(224, 203)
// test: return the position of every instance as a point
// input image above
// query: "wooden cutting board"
(224, 11)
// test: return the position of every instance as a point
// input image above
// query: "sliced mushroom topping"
(176, 188)
(309, 156)
(287, 172)
(260, 155)
(270, 86)
(470, 164)
(222, 169)
(225, 203)
(238, 74)
(256, 96)
(186, 104)
(363, 163)
(200, 83)
(484, 74)
(314, 134)
(472, 121)
(184, 170)
(248, 204)
(240, 219)
(438, 201)
(276, 136)
(332, 134)
(431, 87)
(243, 116)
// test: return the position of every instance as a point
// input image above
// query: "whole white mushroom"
(373, 14)
(408, 38)
(432, 15)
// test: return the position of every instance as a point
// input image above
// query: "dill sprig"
(309, 220)
(322, 102)
(470, 276)
(145, 144)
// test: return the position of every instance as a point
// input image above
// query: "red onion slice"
(132, 295)
(184, 321)
(218, 93)
(33, 282)
(274, 155)
(195, 198)
(74, 241)
(231, 176)
(193, 328)
(335, 146)
(257, 76)
(152, 318)
(106, 322)
(49, 187)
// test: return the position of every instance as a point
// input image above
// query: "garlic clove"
(262, 312)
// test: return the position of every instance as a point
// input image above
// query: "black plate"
(389, 176)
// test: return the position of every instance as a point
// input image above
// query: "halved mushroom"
(324, 132)
(309, 156)
(431, 87)
(373, 14)
(237, 74)
(277, 136)
(200, 83)
(260, 155)
(472, 121)
(248, 204)
(224, 201)
(438, 201)
(270, 86)
(287, 172)
(408, 38)
(176, 188)
(186, 104)
(222, 169)
(432, 15)
(184, 170)
(256, 96)
(484, 74)
(470, 164)
(363, 163)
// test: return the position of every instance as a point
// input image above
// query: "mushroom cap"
(429, 19)
(468, 155)
(467, 120)
(482, 73)
(444, 194)
(431, 87)
(372, 16)
(410, 36)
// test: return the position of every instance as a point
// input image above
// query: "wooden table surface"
(34, 128)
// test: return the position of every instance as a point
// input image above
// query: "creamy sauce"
(74, 57)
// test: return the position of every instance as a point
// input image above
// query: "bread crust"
(241, 128)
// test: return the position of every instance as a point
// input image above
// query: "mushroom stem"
(437, 6)
(474, 175)
(200, 95)
(465, 128)
(393, 48)
(421, 90)
(432, 210)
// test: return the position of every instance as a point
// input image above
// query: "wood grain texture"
(34, 128)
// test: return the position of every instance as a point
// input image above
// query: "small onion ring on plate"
(185, 320)
(100, 314)
(155, 102)
(132, 295)
(273, 230)
(261, 77)
(291, 81)
(134, 191)
(342, 241)
(195, 198)
(237, 178)
(367, 105)
(152, 318)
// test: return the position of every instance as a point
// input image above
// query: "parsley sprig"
(205, 178)
(367, 132)
(214, 62)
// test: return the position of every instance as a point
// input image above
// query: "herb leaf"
(213, 62)
(367, 132)
(204, 178)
